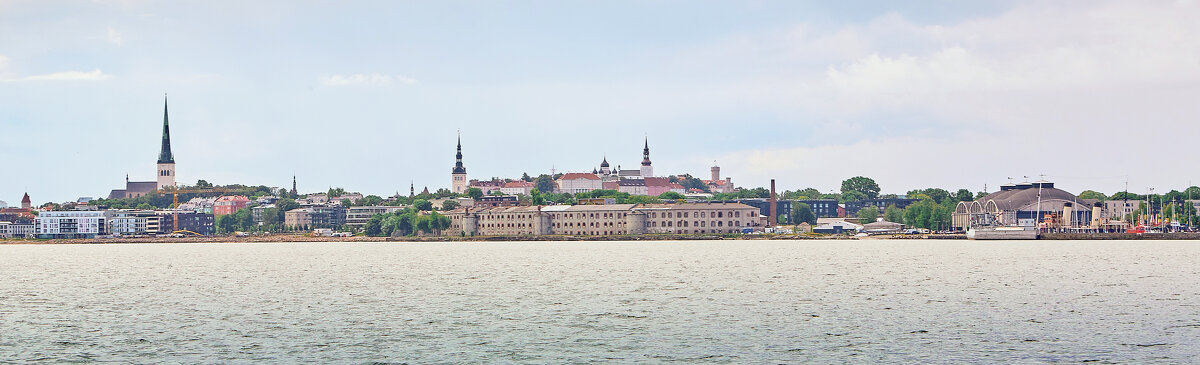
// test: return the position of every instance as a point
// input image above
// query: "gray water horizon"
(899, 301)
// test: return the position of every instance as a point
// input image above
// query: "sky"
(369, 96)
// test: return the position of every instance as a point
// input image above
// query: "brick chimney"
(774, 219)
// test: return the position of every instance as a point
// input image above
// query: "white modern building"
(72, 224)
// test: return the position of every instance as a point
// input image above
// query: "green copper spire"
(165, 155)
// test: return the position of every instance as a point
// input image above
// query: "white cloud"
(1060, 83)
(114, 37)
(93, 75)
(374, 79)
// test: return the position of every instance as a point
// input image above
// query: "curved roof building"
(1024, 204)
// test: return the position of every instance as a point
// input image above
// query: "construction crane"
(175, 199)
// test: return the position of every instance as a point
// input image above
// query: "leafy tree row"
(405, 222)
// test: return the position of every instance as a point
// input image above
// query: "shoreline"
(285, 238)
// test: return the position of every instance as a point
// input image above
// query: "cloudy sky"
(369, 95)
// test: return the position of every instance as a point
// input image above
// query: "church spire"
(165, 155)
(458, 165)
(646, 153)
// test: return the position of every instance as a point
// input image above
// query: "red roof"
(657, 181)
(579, 175)
(233, 198)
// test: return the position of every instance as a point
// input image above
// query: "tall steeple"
(458, 165)
(646, 153)
(458, 176)
(294, 192)
(165, 155)
(166, 160)
(647, 170)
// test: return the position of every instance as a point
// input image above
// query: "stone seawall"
(1121, 236)
(277, 238)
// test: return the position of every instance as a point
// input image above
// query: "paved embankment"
(307, 238)
(1121, 236)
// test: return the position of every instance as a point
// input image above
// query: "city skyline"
(368, 96)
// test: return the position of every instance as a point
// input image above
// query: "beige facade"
(298, 218)
(602, 220)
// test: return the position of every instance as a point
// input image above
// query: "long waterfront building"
(595, 220)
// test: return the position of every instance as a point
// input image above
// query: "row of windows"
(683, 223)
(701, 214)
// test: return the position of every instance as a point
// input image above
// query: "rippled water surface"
(718, 302)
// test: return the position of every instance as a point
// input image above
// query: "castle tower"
(26, 203)
(716, 172)
(647, 170)
(458, 176)
(166, 161)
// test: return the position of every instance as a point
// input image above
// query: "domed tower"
(166, 160)
(458, 176)
(647, 170)
(604, 167)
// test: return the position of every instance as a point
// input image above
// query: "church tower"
(647, 170)
(166, 161)
(458, 176)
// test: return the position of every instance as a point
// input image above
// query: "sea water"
(625, 302)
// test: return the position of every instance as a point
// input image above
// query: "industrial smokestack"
(774, 219)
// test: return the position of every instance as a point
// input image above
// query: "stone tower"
(647, 170)
(716, 172)
(458, 176)
(166, 160)
(26, 203)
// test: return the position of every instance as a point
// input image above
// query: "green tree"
(689, 182)
(226, 224)
(671, 195)
(374, 227)
(861, 184)
(245, 220)
(475, 193)
(525, 177)
(346, 203)
(544, 183)
(201, 184)
(868, 214)
(964, 195)
(536, 198)
(422, 223)
(851, 196)
(444, 193)
(937, 194)
(802, 212)
(642, 199)
(450, 205)
(893, 214)
(422, 205)
(335, 192)
(370, 200)
(145, 206)
(1126, 196)
(1092, 194)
